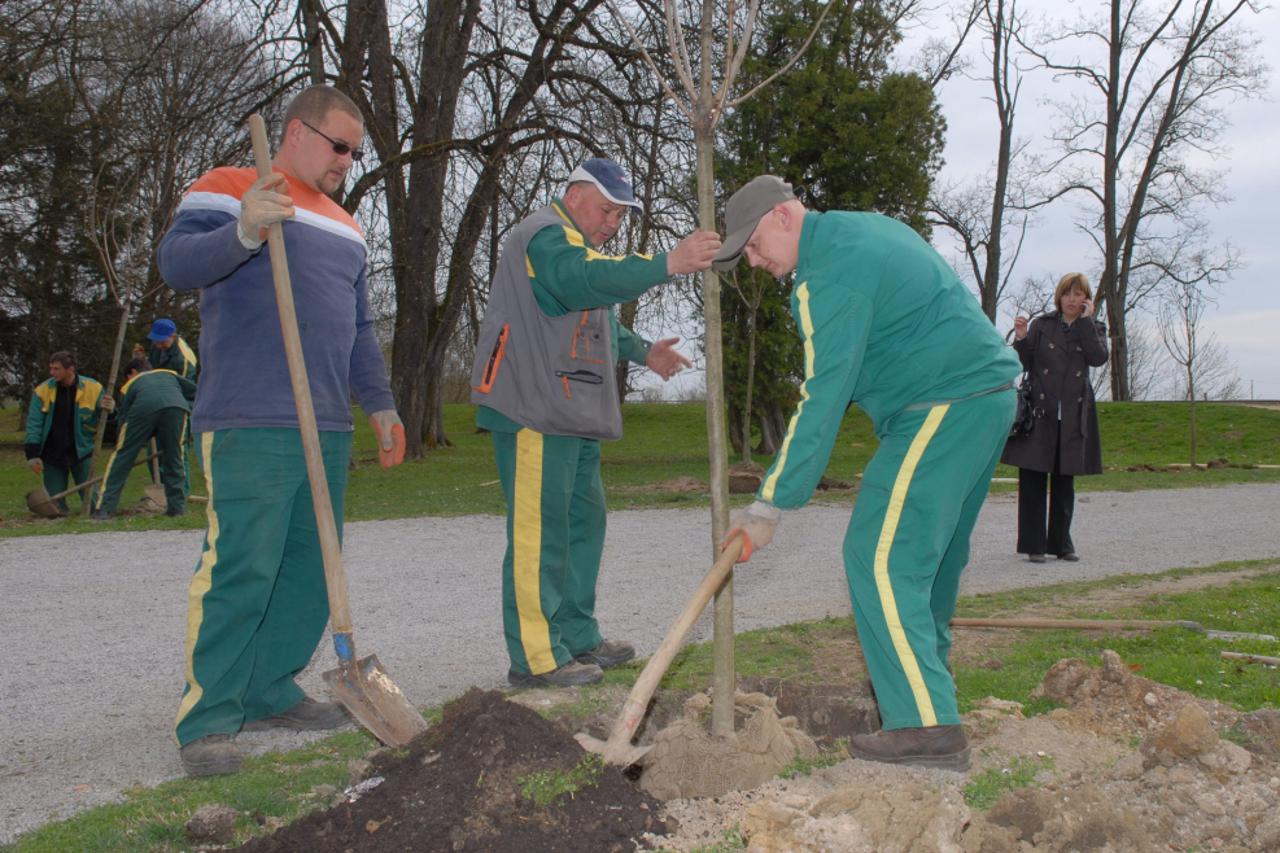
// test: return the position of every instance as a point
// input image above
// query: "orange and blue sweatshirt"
(244, 379)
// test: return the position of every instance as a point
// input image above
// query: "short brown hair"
(313, 103)
(63, 358)
(1069, 282)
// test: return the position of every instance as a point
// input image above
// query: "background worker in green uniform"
(886, 324)
(169, 351)
(61, 419)
(545, 385)
(153, 404)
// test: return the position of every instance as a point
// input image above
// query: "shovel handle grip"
(334, 576)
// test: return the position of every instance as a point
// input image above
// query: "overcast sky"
(1246, 318)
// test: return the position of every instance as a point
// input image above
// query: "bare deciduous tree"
(1154, 77)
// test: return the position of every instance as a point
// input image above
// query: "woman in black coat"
(1057, 349)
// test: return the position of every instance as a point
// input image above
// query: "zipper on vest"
(495, 360)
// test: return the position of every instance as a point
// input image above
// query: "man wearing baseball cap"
(546, 389)
(169, 351)
(886, 324)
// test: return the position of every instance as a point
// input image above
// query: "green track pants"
(169, 428)
(257, 606)
(555, 538)
(56, 478)
(908, 542)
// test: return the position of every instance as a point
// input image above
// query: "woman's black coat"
(1058, 360)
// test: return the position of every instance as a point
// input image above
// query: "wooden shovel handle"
(94, 480)
(334, 576)
(638, 700)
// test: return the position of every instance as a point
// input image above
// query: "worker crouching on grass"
(545, 387)
(887, 325)
(153, 404)
(61, 419)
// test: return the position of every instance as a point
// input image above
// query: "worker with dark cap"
(169, 351)
(545, 384)
(153, 404)
(886, 324)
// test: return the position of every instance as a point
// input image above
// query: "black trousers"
(1033, 538)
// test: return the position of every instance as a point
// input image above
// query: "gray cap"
(743, 213)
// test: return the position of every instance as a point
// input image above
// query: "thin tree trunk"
(102, 423)
(723, 681)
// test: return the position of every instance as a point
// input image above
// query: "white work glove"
(265, 203)
(36, 465)
(107, 403)
(389, 429)
(755, 524)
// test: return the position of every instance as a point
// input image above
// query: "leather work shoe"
(608, 653)
(941, 747)
(571, 674)
(1070, 557)
(1035, 558)
(211, 755)
(307, 716)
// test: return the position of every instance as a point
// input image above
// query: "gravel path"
(94, 622)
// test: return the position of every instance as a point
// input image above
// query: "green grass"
(802, 766)
(983, 789)
(663, 441)
(279, 785)
(547, 787)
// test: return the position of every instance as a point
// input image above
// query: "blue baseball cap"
(609, 178)
(162, 330)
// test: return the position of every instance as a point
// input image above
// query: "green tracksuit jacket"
(887, 325)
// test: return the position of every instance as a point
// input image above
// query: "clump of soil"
(460, 788)
(688, 761)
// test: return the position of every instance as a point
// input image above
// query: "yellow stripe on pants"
(535, 631)
(102, 490)
(200, 583)
(888, 604)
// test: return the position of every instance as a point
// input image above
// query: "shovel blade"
(38, 501)
(368, 693)
(623, 753)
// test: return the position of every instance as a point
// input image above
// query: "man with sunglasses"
(257, 603)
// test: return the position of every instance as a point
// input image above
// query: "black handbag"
(1024, 418)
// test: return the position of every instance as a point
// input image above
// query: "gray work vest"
(553, 375)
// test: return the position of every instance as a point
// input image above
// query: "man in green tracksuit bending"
(153, 404)
(886, 324)
(545, 387)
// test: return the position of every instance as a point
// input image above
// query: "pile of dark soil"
(463, 786)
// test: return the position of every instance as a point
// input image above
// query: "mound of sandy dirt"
(459, 788)
(1127, 764)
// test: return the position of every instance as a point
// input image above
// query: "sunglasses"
(339, 148)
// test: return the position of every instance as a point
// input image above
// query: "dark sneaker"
(1070, 556)
(211, 755)
(1036, 558)
(608, 653)
(174, 511)
(307, 716)
(100, 515)
(571, 674)
(941, 747)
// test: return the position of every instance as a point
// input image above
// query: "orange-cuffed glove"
(755, 524)
(390, 432)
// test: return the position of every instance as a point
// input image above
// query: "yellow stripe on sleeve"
(526, 557)
(888, 604)
(806, 329)
(201, 581)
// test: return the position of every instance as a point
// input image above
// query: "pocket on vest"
(495, 361)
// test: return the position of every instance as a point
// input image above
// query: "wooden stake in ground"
(703, 104)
